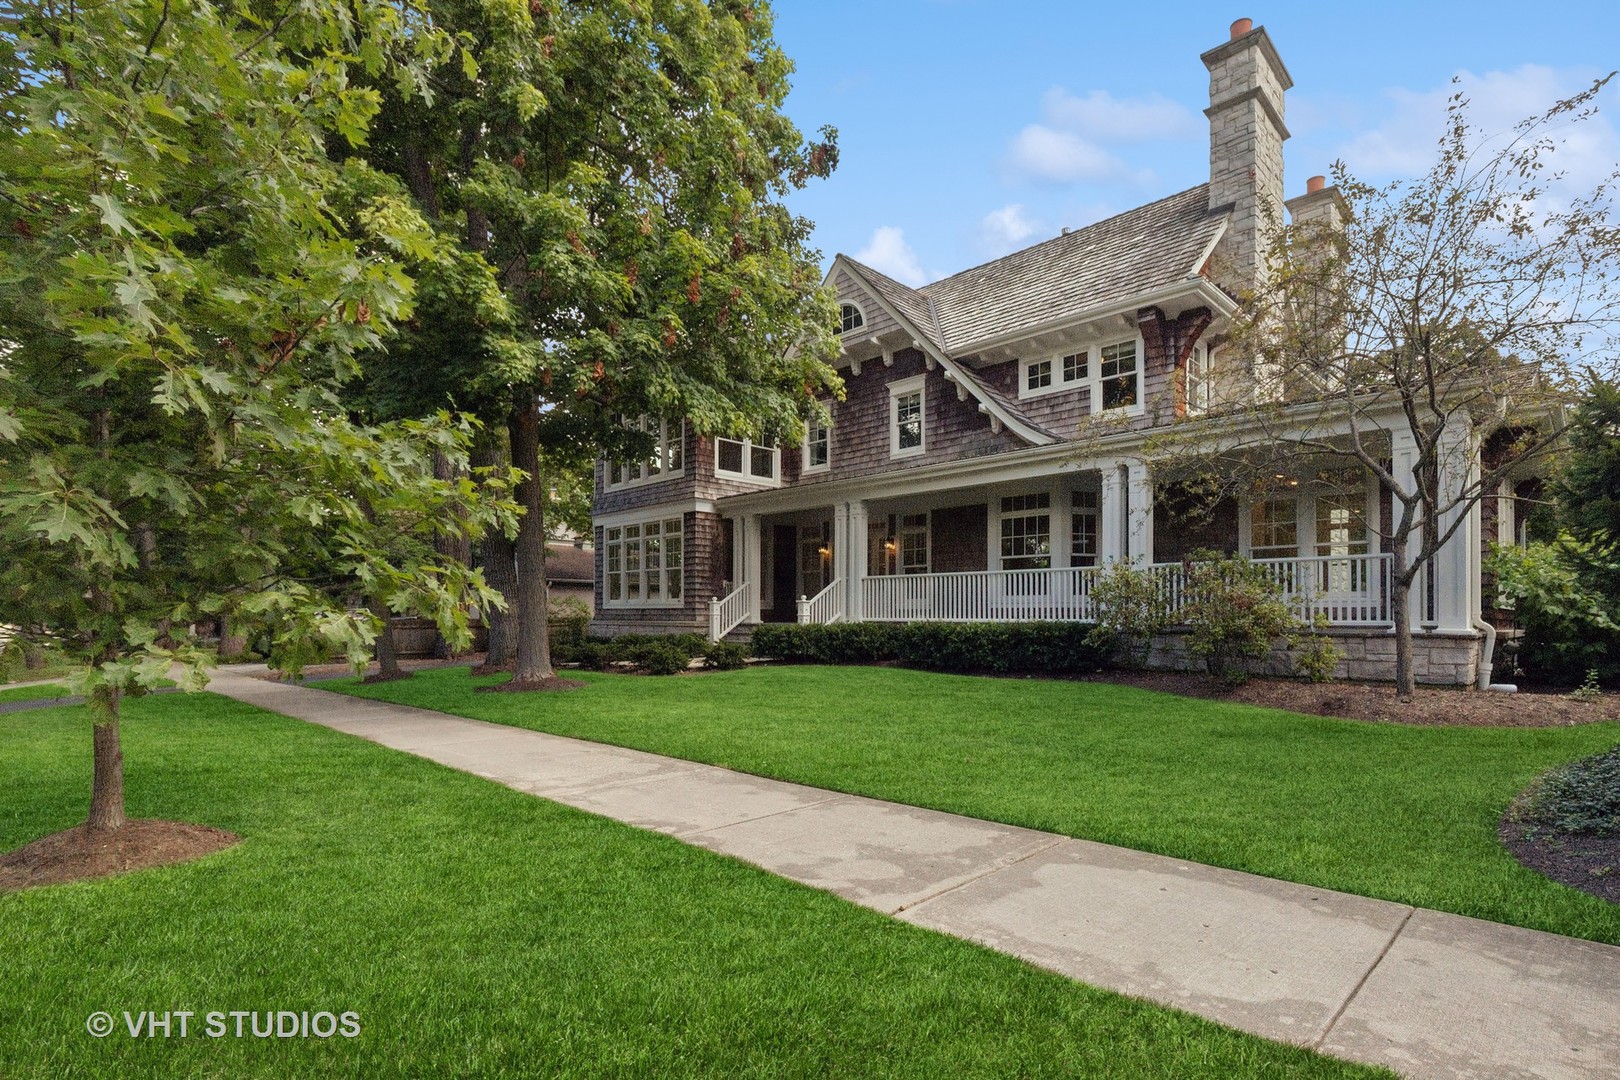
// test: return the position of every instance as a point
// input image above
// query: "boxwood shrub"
(1057, 648)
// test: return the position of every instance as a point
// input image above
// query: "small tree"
(187, 276)
(1130, 609)
(1452, 313)
(1235, 613)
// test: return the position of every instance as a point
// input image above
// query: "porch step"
(740, 635)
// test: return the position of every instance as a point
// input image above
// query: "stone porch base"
(1439, 658)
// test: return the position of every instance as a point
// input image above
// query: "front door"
(784, 573)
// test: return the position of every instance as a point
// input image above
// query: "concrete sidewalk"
(1426, 993)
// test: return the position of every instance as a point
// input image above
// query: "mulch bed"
(1376, 702)
(77, 854)
(1588, 863)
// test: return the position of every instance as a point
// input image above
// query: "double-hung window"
(757, 461)
(817, 446)
(907, 401)
(1026, 531)
(643, 563)
(668, 458)
(1119, 371)
(1274, 528)
(1083, 529)
(1198, 381)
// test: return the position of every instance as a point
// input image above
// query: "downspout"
(1487, 652)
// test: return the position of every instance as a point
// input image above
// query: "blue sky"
(970, 128)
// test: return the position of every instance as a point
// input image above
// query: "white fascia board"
(926, 344)
(658, 510)
(1201, 288)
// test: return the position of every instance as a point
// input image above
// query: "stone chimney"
(1321, 207)
(1246, 133)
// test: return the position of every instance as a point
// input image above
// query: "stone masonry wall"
(1439, 659)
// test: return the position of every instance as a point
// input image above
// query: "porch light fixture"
(824, 551)
(889, 544)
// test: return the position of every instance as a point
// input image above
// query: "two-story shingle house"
(953, 482)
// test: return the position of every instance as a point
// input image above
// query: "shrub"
(1131, 609)
(999, 648)
(1234, 613)
(593, 656)
(725, 656)
(1581, 797)
(663, 657)
(1317, 657)
(1570, 627)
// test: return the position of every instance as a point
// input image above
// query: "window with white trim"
(1119, 375)
(1026, 531)
(913, 543)
(907, 402)
(668, 459)
(1083, 529)
(850, 317)
(1051, 373)
(1341, 522)
(642, 564)
(758, 461)
(1198, 381)
(817, 446)
(1274, 528)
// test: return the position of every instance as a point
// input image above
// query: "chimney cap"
(1315, 184)
(1241, 27)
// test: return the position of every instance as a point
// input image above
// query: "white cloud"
(1004, 230)
(1059, 157)
(1101, 116)
(1405, 143)
(888, 252)
(1071, 143)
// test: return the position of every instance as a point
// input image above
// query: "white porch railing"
(726, 615)
(981, 596)
(1347, 590)
(827, 606)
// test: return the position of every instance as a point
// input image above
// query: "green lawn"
(46, 691)
(478, 931)
(1406, 814)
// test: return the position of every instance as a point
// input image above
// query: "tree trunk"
(498, 559)
(107, 786)
(387, 656)
(1400, 610)
(533, 665)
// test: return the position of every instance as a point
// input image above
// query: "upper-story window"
(817, 446)
(850, 318)
(1112, 372)
(1119, 370)
(757, 461)
(907, 399)
(1198, 381)
(668, 458)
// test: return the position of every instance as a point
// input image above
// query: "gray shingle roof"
(1113, 260)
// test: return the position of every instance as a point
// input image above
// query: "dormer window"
(850, 318)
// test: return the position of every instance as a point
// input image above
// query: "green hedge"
(1056, 648)
(657, 654)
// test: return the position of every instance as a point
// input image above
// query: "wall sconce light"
(824, 551)
(889, 545)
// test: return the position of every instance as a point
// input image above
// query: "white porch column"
(855, 515)
(1403, 467)
(753, 570)
(840, 550)
(1110, 517)
(1457, 563)
(1139, 514)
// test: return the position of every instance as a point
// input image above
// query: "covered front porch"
(1026, 550)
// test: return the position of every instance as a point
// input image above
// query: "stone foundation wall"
(1439, 659)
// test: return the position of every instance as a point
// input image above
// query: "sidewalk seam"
(1049, 845)
(833, 797)
(1361, 982)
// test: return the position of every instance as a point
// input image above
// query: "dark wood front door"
(784, 573)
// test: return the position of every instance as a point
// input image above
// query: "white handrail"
(827, 606)
(981, 596)
(727, 614)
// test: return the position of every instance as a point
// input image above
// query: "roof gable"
(1112, 261)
